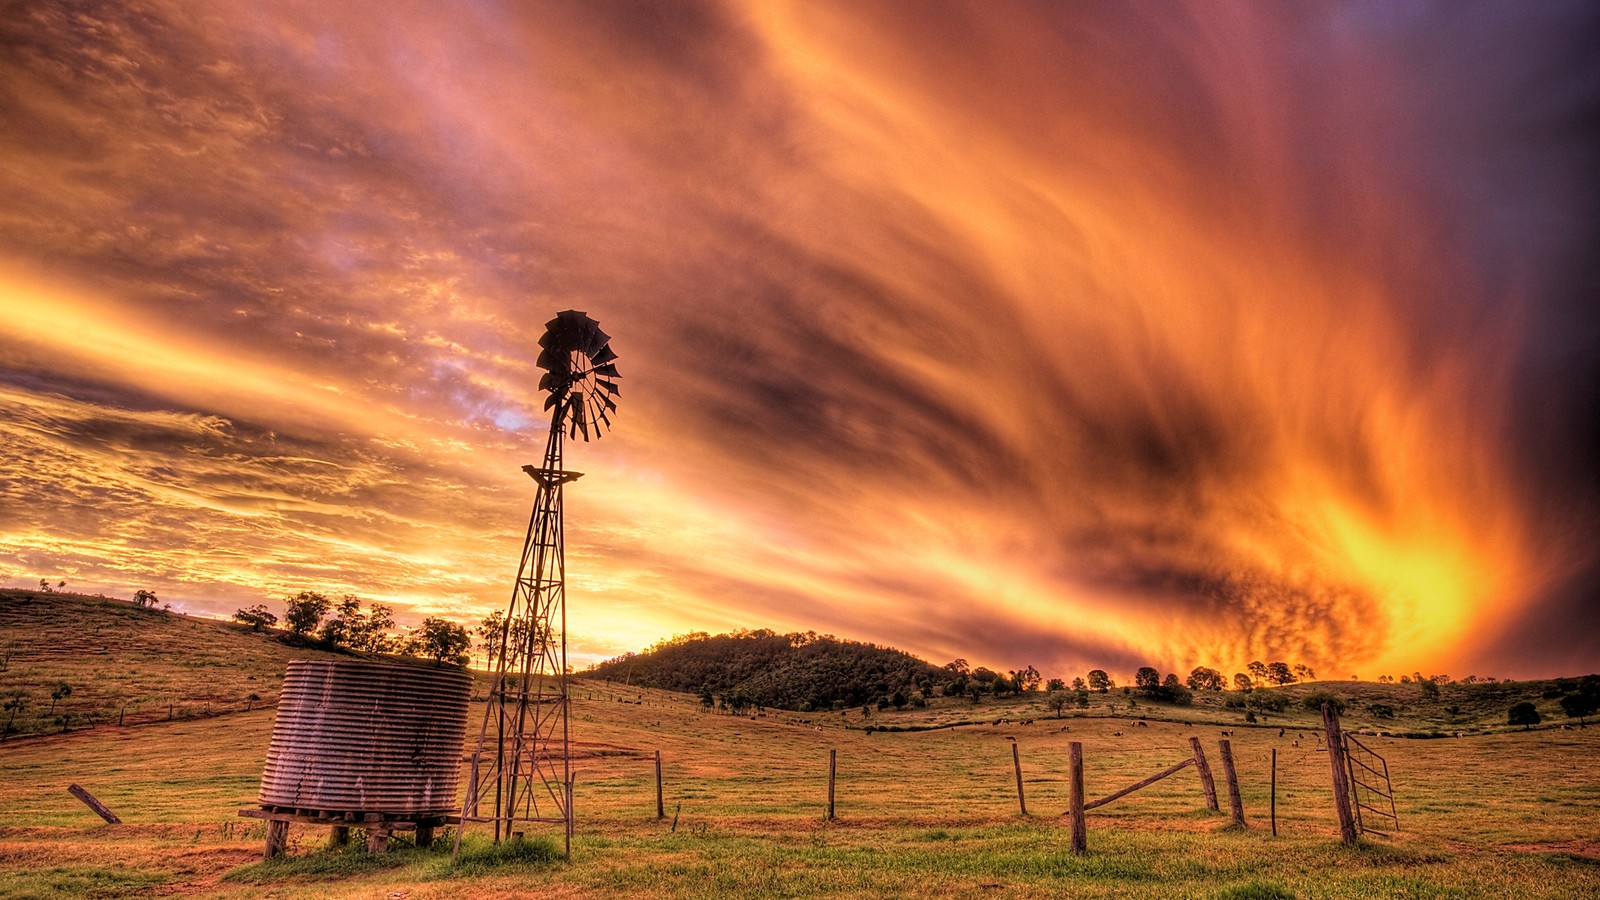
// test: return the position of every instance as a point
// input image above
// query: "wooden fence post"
(661, 806)
(1274, 791)
(1235, 802)
(1206, 782)
(1016, 764)
(1080, 828)
(833, 760)
(98, 807)
(1341, 777)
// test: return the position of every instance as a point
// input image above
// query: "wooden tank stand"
(378, 827)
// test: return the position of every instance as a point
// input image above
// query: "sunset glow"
(1073, 335)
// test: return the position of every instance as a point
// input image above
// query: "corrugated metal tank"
(353, 736)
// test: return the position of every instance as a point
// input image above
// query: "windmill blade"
(608, 370)
(610, 388)
(552, 359)
(603, 356)
(607, 401)
(597, 339)
(551, 400)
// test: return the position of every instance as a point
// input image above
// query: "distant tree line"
(346, 625)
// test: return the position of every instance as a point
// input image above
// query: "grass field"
(920, 808)
(933, 812)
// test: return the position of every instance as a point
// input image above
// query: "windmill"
(521, 770)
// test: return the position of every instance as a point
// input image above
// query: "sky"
(1086, 334)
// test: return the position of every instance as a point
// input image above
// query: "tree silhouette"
(1524, 714)
(304, 611)
(1205, 678)
(1581, 705)
(441, 641)
(256, 617)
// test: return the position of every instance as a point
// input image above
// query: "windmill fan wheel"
(580, 374)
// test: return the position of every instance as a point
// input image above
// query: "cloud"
(1092, 337)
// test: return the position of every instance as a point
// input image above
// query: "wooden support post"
(571, 814)
(89, 801)
(424, 835)
(1080, 828)
(1274, 791)
(277, 839)
(1206, 782)
(340, 837)
(833, 766)
(377, 839)
(1341, 777)
(1235, 802)
(1016, 764)
(661, 806)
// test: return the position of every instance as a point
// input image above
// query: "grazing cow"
(1142, 724)
(1295, 744)
(1280, 732)
(1011, 739)
(1116, 734)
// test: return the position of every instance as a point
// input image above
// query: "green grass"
(1503, 813)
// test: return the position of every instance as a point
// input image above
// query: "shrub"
(1314, 700)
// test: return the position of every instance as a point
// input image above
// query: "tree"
(61, 691)
(304, 611)
(1580, 705)
(1099, 680)
(1204, 678)
(1078, 685)
(1055, 684)
(1524, 714)
(1258, 671)
(1027, 679)
(958, 667)
(1057, 701)
(145, 598)
(1147, 679)
(256, 617)
(706, 698)
(357, 630)
(441, 640)
(1430, 689)
(1302, 672)
(1278, 673)
(13, 706)
(1242, 682)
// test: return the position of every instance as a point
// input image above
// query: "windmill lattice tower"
(521, 769)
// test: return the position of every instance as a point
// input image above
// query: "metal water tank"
(353, 736)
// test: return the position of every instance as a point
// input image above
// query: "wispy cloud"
(1115, 334)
